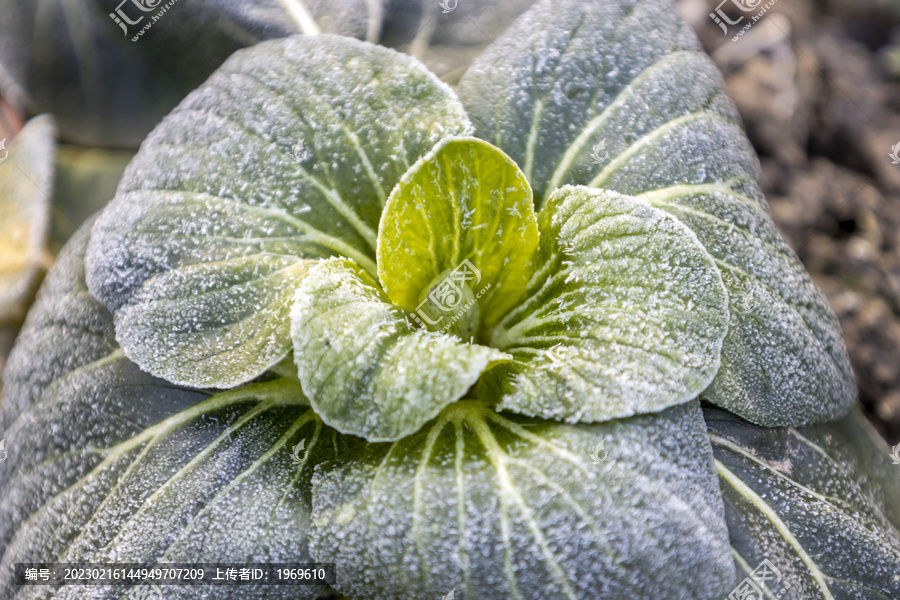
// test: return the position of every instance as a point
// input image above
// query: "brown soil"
(820, 99)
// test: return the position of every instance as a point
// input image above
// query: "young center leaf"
(464, 209)
(287, 153)
(367, 369)
(627, 316)
(620, 95)
(109, 464)
(499, 506)
(821, 504)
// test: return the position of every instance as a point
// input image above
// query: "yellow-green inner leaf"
(457, 237)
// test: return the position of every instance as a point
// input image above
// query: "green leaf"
(106, 463)
(287, 153)
(821, 504)
(620, 95)
(26, 183)
(627, 316)
(465, 206)
(497, 506)
(365, 367)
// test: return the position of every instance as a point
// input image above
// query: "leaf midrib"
(760, 504)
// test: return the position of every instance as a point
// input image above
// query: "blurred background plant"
(817, 83)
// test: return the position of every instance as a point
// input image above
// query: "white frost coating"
(366, 369)
(629, 79)
(286, 153)
(62, 304)
(629, 318)
(515, 508)
(830, 524)
(464, 200)
(110, 464)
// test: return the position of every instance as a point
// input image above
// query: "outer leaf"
(505, 507)
(448, 39)
(361, 19)
(367, 370)
(626, 315)
(109, 464)
(26, 182)
(821, 504)
(464, 201)
(203, 247)
(619, 95)
(459, 25)
(110, 86)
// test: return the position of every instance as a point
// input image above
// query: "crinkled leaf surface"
(497, 506)
(109, 87)
(820, 503)
(26, 182)
(107, 463)
(365, 367)
(620, 95)
(288, 152)
(626, 314)
(464, 201)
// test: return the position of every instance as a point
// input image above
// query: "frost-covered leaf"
(459, 228)
(820, 503)
(109, 84)
(26, 183)
(365, 367)
(502, 507)
(626, 314)
(106, 463)
(288, 152)
(620, 95)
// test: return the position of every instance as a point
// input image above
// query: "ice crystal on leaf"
(317, 231)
